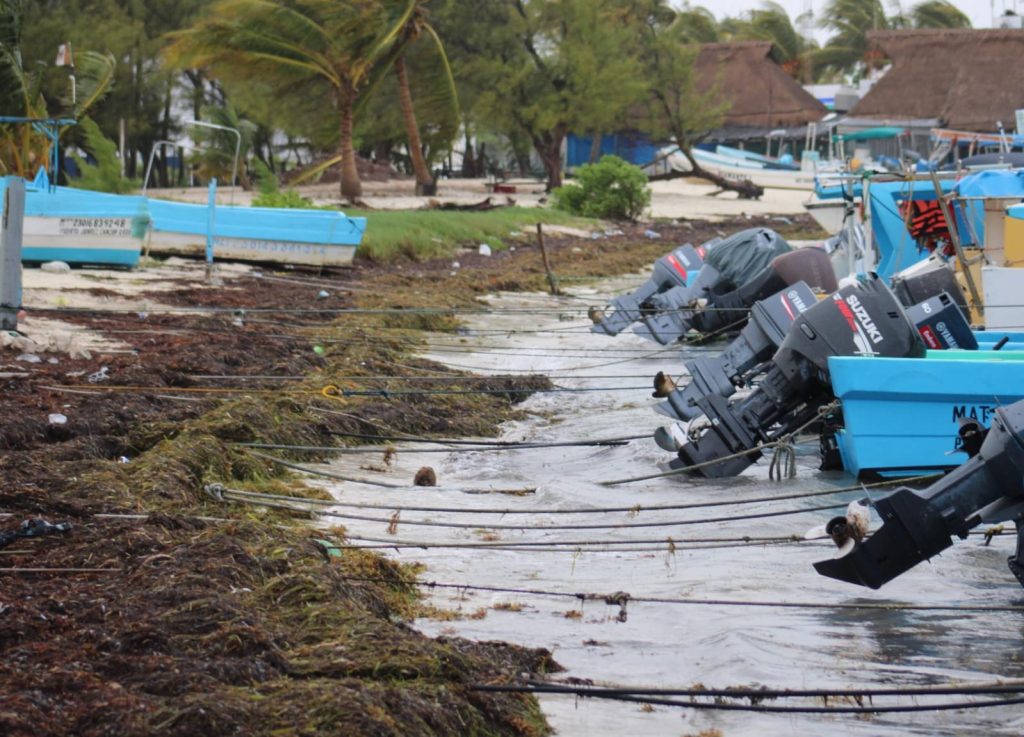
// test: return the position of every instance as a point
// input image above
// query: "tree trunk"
(425, 184)
(549, 148)
(469, 158)
(595, 147)
(745, 188)
(351, 187)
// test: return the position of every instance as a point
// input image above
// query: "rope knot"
(215, 491)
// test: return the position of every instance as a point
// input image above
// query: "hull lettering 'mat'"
(980, 412)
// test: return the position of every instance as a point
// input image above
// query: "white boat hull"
(250, 249)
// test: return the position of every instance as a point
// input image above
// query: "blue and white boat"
(276, 235)
(901, 416)
(80, 227)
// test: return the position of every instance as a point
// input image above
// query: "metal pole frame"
(49, 127)
(152, 155)
(238, 148)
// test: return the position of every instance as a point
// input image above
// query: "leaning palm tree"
(22, 148)
(437, 98)
(302, 49)
(772, 23)
(938, 14)
(850, 21)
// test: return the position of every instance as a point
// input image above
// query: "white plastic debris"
(323, 294)
(484, 250)
(124, 459)
(652, 234)
(456, 264)
(56, 267)
(99, 376)
(29, 358)
(56, 418)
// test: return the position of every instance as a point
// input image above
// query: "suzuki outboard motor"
(861, 319)
(989, 487)
(676, 270)
(735, 261)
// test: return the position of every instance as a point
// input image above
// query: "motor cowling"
(677, 269)
(861, 319)
(735, 261)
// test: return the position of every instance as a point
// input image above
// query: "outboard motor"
(989, 487)
(770, 321)
(733, 262)
(926, 279)
(809, 265)
(677, 270)
(861, 319)
(939, 321)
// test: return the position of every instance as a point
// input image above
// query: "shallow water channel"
(673, 645)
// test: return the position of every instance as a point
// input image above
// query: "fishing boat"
(928, 396)
(81, 228)
(84, 227)
(262, 234)
(759, 172)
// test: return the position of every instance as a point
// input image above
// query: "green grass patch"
(425, 234)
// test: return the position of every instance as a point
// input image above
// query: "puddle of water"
(665, 645)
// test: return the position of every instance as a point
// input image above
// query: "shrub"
(270, 194)
(612, 189)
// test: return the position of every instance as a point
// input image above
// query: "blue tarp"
(634, 148)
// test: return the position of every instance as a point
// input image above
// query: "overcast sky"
(979, 11)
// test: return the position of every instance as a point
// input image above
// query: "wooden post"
(552, 279)
(10, 252)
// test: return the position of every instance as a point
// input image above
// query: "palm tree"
(438, 98)
(698, 24)
(850, 20)
(772, 23)
(22, 148)
(303, 49)
(938, 14)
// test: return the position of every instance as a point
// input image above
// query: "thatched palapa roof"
(760, 92)
(968, 79)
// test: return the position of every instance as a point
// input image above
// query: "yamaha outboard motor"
(735, 261)
(770, 321)
(809, 265)
(861, 319)
(926, 279)
(676, 270)
(989, 487)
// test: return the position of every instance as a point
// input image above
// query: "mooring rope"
(634, 510)
(617, 597)
(382, 484)
(755, 706)
(395, 520)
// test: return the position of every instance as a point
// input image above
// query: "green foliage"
(611, 189)
(105, 174)
(938, 14)
(675, 108)
(270, 194)
(424, 234)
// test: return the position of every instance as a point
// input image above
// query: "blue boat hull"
(901, 416)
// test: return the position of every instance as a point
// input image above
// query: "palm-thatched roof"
(969, 79)
(759, 91)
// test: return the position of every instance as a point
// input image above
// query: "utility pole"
(10, 252)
